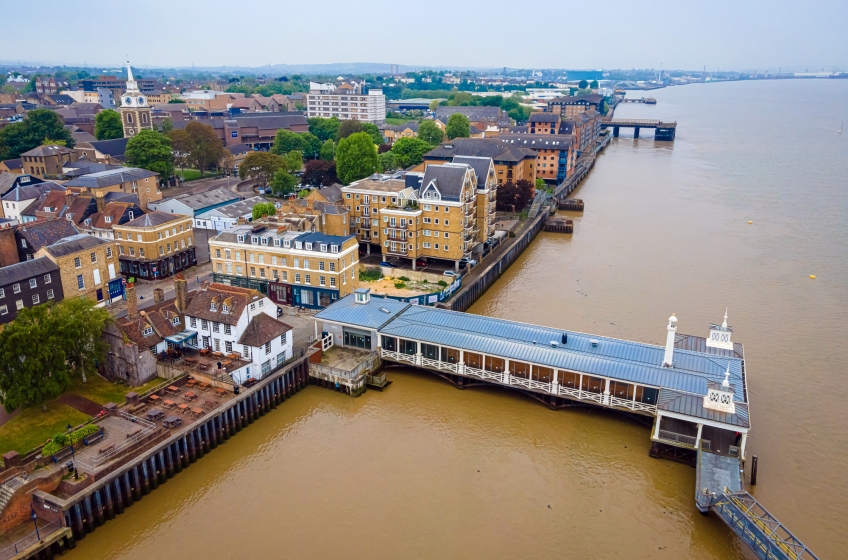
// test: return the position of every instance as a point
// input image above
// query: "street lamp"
(35, 522)
(74, 455)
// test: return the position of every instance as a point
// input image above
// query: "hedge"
(60, 441)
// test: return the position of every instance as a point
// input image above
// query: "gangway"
(767, 537)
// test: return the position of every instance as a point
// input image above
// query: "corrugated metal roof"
(366, 315)
(693, 405)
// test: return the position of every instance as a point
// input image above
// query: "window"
(228, 346)
(2, 293)
(23, 241)
(3, 310)
(108, 252)
(334, 248)
(169, 247)
(435, 246)
(132, 251)
(228, 329)
(297, 278)
(253, 307)
(426, 245)
(426, 220)
(129, 236)
(266, 366)
(77, 262)
(175, 321)
(306, 263)
(204, 325)
(332, 281)
(193, 322)
(253, 271)
(94, 257)
(35, 299)
(49, 294)
(147, 332)
(321, 281)
(296, 263)
(436, 221)
(306, 279)
(446, 247)
(216, 327)
(161, 250)
(446, 223)
(19, 304)
(285, 276)
(267, 347)
(80, 282)
(33, 283)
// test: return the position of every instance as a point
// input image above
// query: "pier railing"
(514, 380)
(26, 542)
(679, 438)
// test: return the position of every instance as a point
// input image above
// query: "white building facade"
(352, 103)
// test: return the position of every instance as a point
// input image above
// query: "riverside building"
(347, 101)
(303, 269)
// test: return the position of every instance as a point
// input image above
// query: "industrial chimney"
(668, 359)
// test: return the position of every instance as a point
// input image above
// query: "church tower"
(135, 112)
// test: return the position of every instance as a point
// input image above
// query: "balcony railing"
(677, 438)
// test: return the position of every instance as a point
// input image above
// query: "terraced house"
(155, 245)
(293, 268)
(87, 267)
(443, 213)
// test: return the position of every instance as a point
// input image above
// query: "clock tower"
(135, 111)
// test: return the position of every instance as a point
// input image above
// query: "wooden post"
(754, 470)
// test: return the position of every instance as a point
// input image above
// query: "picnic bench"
(197, 412)
(173, 390)
(205, 351)
(190, 361)
(182, 408)
(134, 433)
(153, 398)
(169, 404)
(107, 449)
(210, 404)
(189, 396)
(172, 422)
(204, 386)
(251, 382)
(220, 391)
(155, 414)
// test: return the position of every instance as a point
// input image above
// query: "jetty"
(645, 100)
(693, 390)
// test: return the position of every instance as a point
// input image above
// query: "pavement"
(201, 186)
(144, 288)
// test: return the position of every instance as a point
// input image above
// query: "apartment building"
(293, 268)
(570, 106)
(48, 160)
(348, 101)
(555, 153)
(87, 267)
(512, 163)
(155, 245)
(141, 182)
(28, 284)
(442, 213)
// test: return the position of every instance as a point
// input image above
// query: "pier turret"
(720, 335)
(668, 359)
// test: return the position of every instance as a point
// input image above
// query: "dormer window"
(334, 248)
(287, 243)
(225, 309)
(323, 247)
(147, 331)
(309, 246)
(241, 238)
(298, 245)
(108, 219)
(254, 239)
(276, 243)
(175, 321)
(264, 241)
(87, 222)
(213, 306)
(131, 215)
(69, 216)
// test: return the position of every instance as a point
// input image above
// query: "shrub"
(85, 431)
(59, 441)
(443, 284)
(370, 274)
(50, 449)
(400, 285)
(403, 279)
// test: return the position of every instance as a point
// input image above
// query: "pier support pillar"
(615, 132)
(698, 437)
(636, 132)
(99, 509)
(110, 505)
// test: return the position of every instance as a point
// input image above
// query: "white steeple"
(720, 335)
(726, 383)
(668, 359)
(724, 323)
(132, 85)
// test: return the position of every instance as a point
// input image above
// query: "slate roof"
(474, 113)
(448, 179)
(411, 125)
(42, 234)
(538, 141)
(237, 300)
(114, 147)
(238, 149)
(261, 330)
(44, 151)
(9, 180)
(69, 245)
(155, 218)
(481, 167)
(112, 214)
(30, 192)
(25, 270)
(333, 193)
(234, 210)
(201, 200)
(80, 136)
(693, 405)
(270, 120)
(544, 117)
(13, 163)
(159, 317)
(110, 177)
(480, 147)
(594, 99)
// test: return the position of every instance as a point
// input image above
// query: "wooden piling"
(754, 470)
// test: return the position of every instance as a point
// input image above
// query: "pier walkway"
(663, 130)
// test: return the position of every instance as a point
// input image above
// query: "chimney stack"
(132, 302)
(668, 359)
(158, 295)
(181, 292)
(204, 285)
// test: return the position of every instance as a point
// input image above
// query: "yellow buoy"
(750, 222)
(813, 276)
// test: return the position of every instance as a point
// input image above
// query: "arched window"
(144, 118)
(129, 117)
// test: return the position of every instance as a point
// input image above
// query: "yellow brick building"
(86, 265)
(155, 245)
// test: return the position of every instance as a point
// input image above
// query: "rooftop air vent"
(564, 338)
(594, 342)
(554, 343)
(384, 310)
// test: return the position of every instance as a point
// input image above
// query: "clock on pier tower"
(135, 111)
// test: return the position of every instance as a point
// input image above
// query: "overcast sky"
(684, 34)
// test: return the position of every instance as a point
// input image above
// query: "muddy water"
(423, 470)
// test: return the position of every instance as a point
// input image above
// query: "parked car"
(387, 264)
(420, 262)
(468, 262)
(450, 273)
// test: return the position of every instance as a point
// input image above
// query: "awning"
(181, 337)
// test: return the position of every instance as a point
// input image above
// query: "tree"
(346, 128)
(166, 126)
(283, 182)
(108, 125)
(80, 328)
(324, 129)
(150, 150)
(285, 141)
(38, 126)
(328, 150)
(433, 104)
(33, 365)
(356, 157)
(520, 113)
(319, 173)
(182, 145)
(293, 161)
(458, 126)
(540, 183)
(262, 209)
(583, 84)
(260, 166)
(311, 145)
(593, 84)
(514, 196)
(387, 162)
(430, 133)
(374, 132)
(410, 151)
(207, 149)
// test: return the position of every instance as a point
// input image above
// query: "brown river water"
(424, 470)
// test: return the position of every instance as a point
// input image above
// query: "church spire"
(131, 83)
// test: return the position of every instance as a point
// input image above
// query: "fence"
(100, 458)
(33, 538)
(679, 438)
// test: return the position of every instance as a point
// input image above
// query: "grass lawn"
(102, 391)
(190, 174)
(32, 427)
(397, 122)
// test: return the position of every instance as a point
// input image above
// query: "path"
(84, 405)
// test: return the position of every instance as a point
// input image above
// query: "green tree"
(328, 150)
(166, 126)
(583, 84)
(387, 162)
(108, 125)
(182, 145)
(311, 145)
(324, 129)
(33, 365)
(593, 84)
(261, 166)
(263, 209)
(38, 126)
(356, 157)
(433, 104)
(374, 132)
(346, 128)
(80, 328)
(540, 183)
(458, 126)
(285, 141)
(410, 151)
(150, 150)
(293, 161)
(207, 149)
(430, 133)
(283, 182)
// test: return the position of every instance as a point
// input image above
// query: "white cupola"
(720, 335)
(132, 97)
(668, 359)
(720, 395)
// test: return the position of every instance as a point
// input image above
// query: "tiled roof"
(9, 180)
(234, 210)
(693, 405)
(30, 192)
(481, 167)
(159, 316)
(448, 180)
(480, 147)
(42, 234)
(43, 151)
(473, 113)
(155, 218)
(236, 299)
(25, 270)
(201, 200)
(261, 330)
(74, 244)
(110, 177)
(538, 141)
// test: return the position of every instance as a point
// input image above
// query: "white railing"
(499, 377)
(678, 438)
